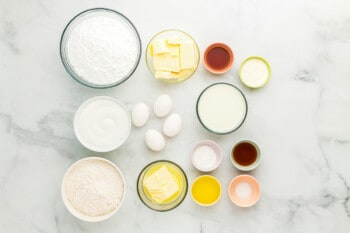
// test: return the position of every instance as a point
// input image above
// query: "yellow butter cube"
(161, 185)
(160, 74)
(174, 40)
(166, 62)
(187, 55)
(174, 50)
(167, 75)
(159, 47)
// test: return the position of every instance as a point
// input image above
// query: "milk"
(254, 72)
(221, 108)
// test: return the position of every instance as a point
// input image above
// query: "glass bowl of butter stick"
(162, 185)
(172, 56)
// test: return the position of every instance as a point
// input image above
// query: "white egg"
(154, 140)
(162, 105)
(172, 125)
(140, 114)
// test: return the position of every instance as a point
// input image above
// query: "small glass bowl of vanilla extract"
(245, 155)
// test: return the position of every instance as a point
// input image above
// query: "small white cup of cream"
(206, 156)
(254, 72)
(102, 124)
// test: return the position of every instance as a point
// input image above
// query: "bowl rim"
(215, 147)
(148, 166)
(220, 189)
(258, 58)
(74, 211)
(66, 64)
(178, 31)
(245, 115)
(80, 138)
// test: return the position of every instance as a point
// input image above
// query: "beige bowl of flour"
(93, 189)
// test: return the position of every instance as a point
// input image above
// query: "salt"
(205, 157)
(243, 190)
(103, 49)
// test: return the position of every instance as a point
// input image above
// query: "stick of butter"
(174, 50)
(161, 185)
(160, 74)
(173, 57)
(166, 62)
(187, 55)
(173, 40)
(159, 47)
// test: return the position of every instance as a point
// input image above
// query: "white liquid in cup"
(102, 124)
(254, 72)
(222, 108)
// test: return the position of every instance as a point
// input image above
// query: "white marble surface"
(301, 119)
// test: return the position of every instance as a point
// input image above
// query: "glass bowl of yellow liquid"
(172, 56)
(162, 185)
(206, 190)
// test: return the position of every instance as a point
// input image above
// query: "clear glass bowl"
(166, 206)
(78, 19)
(186, 74)
(214, 130)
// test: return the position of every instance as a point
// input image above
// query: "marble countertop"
(301, 119)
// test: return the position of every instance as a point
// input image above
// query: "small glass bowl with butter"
(162, 185)
(172, 56)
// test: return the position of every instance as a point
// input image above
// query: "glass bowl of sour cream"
(102, 124)
(100, 48)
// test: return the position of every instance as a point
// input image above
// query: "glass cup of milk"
(221, 108)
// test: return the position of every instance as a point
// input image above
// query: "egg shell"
(154, 140)
(172, 125)
(162, 105)
(140, 114)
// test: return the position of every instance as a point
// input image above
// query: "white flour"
(94, 188)
(102, 49)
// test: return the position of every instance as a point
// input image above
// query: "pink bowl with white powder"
(206, 156)
(244, 191)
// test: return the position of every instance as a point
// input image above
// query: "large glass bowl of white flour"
(100, 48)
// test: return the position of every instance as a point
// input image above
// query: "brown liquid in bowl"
(245, 154)
(218, 58)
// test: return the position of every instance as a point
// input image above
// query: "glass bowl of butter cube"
(162, 185)
(172, 56)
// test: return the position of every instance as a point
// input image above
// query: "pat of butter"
(166, 75)
(174, 50)
(174, 40)
(159, 47)
(166, 62)
(161, 185)
(187, 55)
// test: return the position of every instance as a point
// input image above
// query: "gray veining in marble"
(301, 119)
